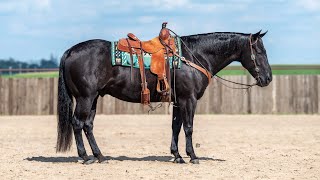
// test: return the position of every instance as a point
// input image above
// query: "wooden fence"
(285, 95)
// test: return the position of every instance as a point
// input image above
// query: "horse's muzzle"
(263, 81)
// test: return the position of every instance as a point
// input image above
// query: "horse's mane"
(217, 34)
(217, 39)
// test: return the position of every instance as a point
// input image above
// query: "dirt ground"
(229, 147)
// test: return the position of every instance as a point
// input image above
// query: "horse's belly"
(131, 91)
(125, 94)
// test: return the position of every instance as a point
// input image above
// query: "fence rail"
(234, 67)
(28, 70)
(286, 94)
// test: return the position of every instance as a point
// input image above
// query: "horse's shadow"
(75, 159)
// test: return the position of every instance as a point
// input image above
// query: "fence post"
(249, 111)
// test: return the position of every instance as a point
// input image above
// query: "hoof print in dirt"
(104, 161)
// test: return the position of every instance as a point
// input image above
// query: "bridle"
(256, 69)
(253, 58)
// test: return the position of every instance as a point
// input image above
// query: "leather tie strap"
(131, 60)
(145, 94)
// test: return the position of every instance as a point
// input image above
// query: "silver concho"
(257, 69)
(175, 63)
(253, 57)
(118, 61)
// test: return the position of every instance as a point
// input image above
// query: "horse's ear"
(256, 35)
(261, 35)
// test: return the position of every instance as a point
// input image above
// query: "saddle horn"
(164, 33)
(164, 24)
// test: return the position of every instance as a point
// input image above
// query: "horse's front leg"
(176, 127)
(187, 108)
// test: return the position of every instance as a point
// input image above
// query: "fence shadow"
(74, 159)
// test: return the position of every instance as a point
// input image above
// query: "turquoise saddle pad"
(120, 58)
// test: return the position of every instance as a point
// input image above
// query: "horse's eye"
(259, 51)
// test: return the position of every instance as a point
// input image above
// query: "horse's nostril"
(269, 78)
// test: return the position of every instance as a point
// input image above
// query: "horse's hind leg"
(176, 127)
(81, 113)
(88, 130)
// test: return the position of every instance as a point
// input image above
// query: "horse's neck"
(213, 52)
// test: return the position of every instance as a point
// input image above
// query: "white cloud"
(170, 4)
(310, 5)
(42, 4)
(147, 19)
(24, 6)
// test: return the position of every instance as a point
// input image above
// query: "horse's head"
(254, 59)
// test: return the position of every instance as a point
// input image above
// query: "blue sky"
(33, 29)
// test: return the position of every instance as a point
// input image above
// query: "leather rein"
(206, 72)
(201, 69)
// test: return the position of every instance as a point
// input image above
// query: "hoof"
(89, 161)
(179, 161)
(103, 161)
(194, 161)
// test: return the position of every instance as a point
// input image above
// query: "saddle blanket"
(120, 58)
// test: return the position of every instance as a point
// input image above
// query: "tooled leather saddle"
(160, 48)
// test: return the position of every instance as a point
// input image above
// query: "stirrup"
(166, 86)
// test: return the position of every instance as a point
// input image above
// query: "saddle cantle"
(160, 48)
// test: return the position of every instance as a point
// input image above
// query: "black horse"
(86, 73)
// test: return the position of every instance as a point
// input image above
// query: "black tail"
(65, 105)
